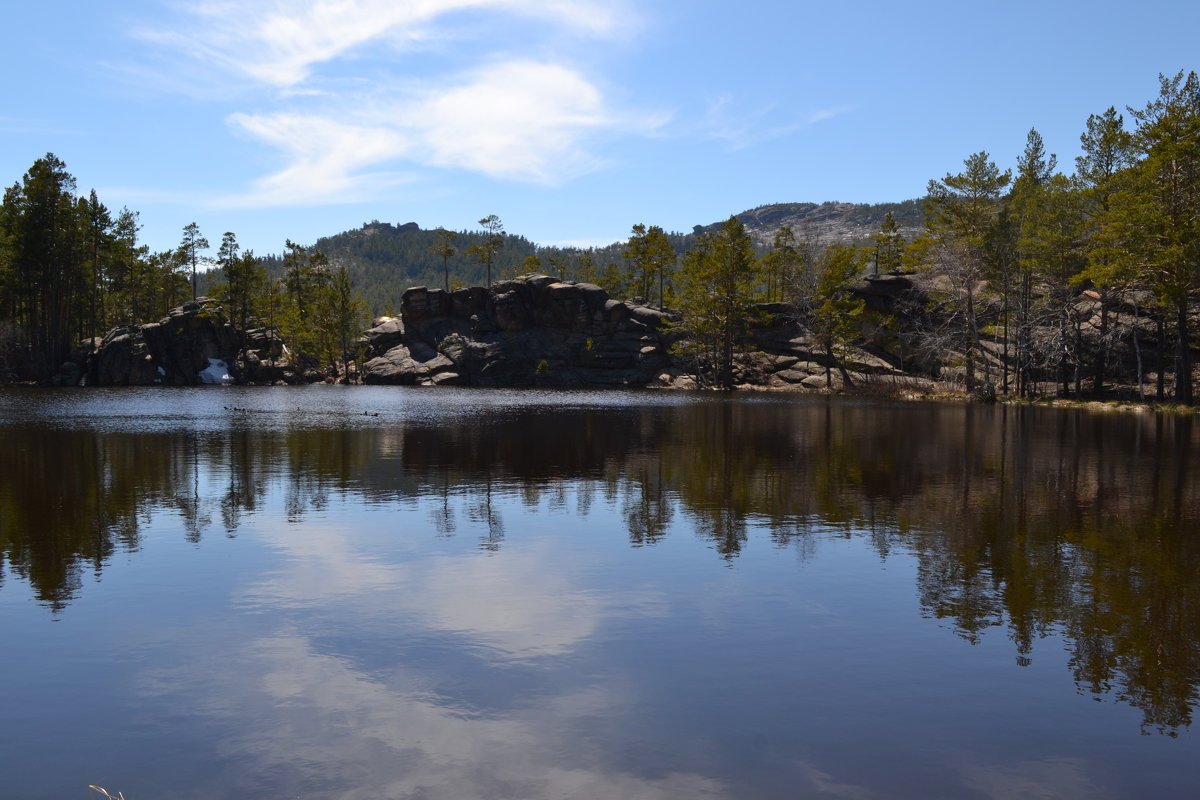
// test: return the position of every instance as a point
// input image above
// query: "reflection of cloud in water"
(364, 738)
(293, 717)
(528, 602)
(524, 604)
(1059, 778)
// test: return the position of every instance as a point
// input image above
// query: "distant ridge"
(384, 259)
(830, 222)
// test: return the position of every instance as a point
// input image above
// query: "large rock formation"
(530, 331)
(539, 331)
(177, 349)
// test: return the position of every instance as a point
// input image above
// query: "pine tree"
(649, 258)
(889, 246)
(1028, 201)
(836, 321)
(443, 248)
(486, 251)
(718, 282)
(99, 234)
(44, 272)
(347, 312)
(780, 263)
(1166, 182)
(961, 212)
(189, 250)
(245, 283)
(1106, 157)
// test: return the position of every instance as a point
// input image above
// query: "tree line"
(1026, 273)
(1008, 260)
(70, 272)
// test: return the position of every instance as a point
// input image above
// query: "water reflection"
(1034, 522)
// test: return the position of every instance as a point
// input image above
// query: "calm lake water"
(354, 592)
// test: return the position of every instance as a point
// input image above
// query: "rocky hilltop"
(828, 223)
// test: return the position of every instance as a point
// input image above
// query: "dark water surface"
(268, 593)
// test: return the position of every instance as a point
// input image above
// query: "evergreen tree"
(190, 247)
(245, 283)
(1029, 198)
(585, 265)
(962, 210)
(486, 251)
(1106, 156)
(1165, 204)
(347, 314)
(779, 264)
(99, 234)
(649, 258)
(443, 248)
(889, 246)
(718, 281)
(44, 272)
(836, 321)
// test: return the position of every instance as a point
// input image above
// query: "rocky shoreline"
(537, 330)
(534, 330)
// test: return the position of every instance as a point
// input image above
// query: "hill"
(830, 222)
(384, 259)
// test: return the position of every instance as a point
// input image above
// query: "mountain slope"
(384, 259)
(830, 222)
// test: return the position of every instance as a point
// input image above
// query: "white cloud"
(325, 159)
(344, 133)
(519, 120)
(279, 43)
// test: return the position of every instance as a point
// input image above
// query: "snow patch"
(216, 373)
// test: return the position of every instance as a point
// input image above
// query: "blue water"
(351, 592)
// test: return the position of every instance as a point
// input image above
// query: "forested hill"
(830, 222)
(384, 259)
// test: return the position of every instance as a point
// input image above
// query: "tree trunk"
(1160, 392)
(1183, 360)
(1101, 351)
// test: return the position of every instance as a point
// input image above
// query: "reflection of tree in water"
(484, 511)
(1041, 522)
(648, 507)
(442, 513)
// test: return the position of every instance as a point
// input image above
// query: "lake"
(361, 592)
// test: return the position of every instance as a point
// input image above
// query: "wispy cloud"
(326, 160)
(279, 43)
(519, 120)
(740, 127)
(348, 132)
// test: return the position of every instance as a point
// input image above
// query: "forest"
(1031, 280)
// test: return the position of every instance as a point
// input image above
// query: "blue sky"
(571, 120)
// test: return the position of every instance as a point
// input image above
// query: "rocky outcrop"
(535, 330)
(539, 331)
(176, 349)
(531, 331)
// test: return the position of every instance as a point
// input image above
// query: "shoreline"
(875, 391)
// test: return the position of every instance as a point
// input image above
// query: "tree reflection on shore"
(1036, 521)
